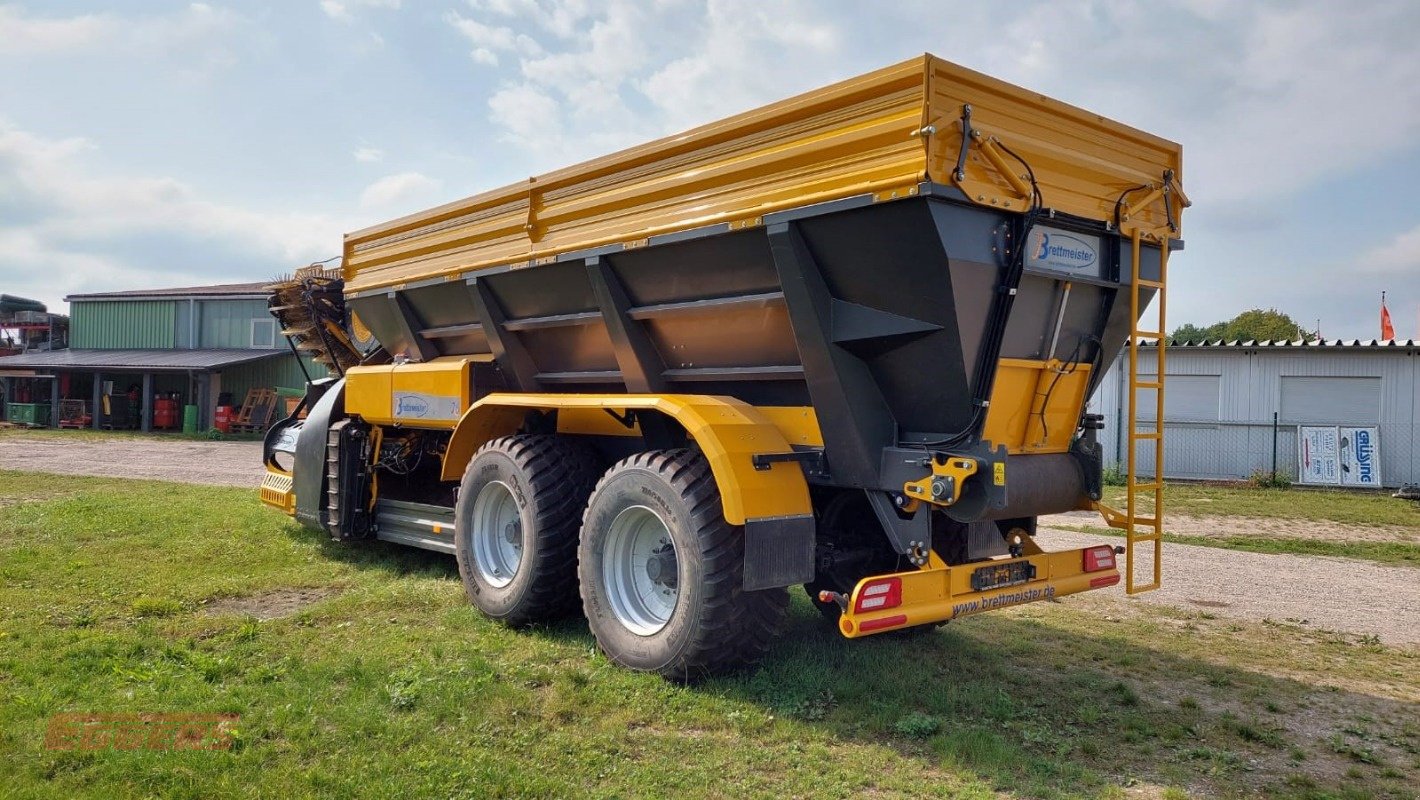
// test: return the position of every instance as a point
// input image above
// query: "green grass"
(389, 684)
(1346, 507)
(1405, 554)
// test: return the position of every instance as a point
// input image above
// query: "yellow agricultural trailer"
(842, 341)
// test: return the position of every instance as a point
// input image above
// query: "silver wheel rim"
(497, 534)
(640, 571)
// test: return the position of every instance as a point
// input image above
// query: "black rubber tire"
(716, 626)
(550, 478)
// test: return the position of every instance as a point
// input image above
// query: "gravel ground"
(181, 460)
(1212, 526)
(1358, 597)
(1339, 594)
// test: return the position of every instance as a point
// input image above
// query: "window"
(263, 334)
(1187, 398)
(1331, 400)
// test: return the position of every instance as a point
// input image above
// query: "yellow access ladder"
(1147, 527)
(1142, 519)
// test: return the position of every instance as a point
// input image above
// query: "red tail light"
(878, 595)
(1099, 558)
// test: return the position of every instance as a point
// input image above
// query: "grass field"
(376, 679)
(1352, 507)
(1405, 554)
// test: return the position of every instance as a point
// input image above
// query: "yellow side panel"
(881, 133)
(1082, 161)
(432, 394)
(1036, 405)
(729, 432)
(851, 138)
(367, 392)
(799, 424)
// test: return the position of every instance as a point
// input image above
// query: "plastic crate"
(36, 414)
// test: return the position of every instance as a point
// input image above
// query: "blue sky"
(149, 144)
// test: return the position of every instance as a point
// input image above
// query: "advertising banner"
(1318, 457)
(1360, 457)
(1338, 456)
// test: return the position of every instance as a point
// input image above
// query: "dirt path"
(181, 460)
(1340, 594)
(1267, 527)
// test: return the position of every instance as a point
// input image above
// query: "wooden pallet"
(256, 412)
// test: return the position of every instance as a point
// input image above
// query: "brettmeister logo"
(411, 406)
(1063, 251)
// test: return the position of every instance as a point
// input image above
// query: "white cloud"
(741, 43)
(30, 36)
(1400, 257)
(74, 222)
(341, 10)
(601, 79)
(24, 35)
(404, 188)
(336, 10)
(368, 155)
(526, 113)
(490, 40)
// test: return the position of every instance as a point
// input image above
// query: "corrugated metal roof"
(217, 290)
(1314, 344)
(158, 360)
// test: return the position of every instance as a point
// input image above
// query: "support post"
(515, 360)
(1274, 445)
(422, 349)
(98, 411)
(145, 401)
(641, 366)
(54, 401)
(856, 420)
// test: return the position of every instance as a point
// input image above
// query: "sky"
(146, 144)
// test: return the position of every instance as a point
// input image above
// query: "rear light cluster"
(878, 595)
(1099, 558)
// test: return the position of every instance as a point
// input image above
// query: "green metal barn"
(193, 345)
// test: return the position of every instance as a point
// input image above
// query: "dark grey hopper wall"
(880, 327)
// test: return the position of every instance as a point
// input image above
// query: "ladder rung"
(1141, 588)
(1148, 385)
(1144, 435)
(1149, 334)
(1150, 521)
(1151, 284)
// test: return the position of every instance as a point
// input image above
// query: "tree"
(1192, 333)
(1261, 326)
(1254, 325)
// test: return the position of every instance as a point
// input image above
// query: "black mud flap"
(779, 551)
(309, 468)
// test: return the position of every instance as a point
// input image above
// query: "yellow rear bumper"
(938, 593)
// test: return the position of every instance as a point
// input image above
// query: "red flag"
(1387, 330)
